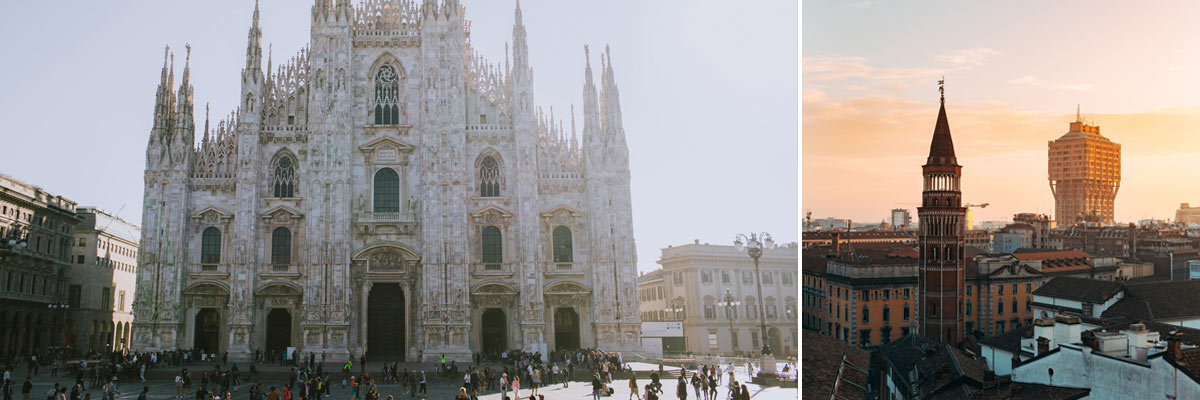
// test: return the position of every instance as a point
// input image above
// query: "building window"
(866, 315)
(489, 177)
(747, 277)
(754, 339)
(121, 301)
(705, 276)
(933, 310)
(73, 296)
(710, 311)
(387, 96)
(999, 327)
(1028, 287)
(1014, 306)
(493, 252)
(79, 259)
(968, 308)
(1087, 309)
(885, 335)
(906, 312)
(387, 191)
(283, 179)
(725, 277)
(210, 246)
(887, 294)
(766, 278)
(752, 311)
(968, 290)
(562, 245)
(864, 337)
(1028, 306)
(105, 299)
(771, 311)
(678, 278)
(787, 279)
(790, 308)
(887, 314)
(281, 246)
(999, 307)
(906, 293)
(999, 289)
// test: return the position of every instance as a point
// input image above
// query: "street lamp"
(730, 303)
(754, 244)
(54, 318)
(675, 306)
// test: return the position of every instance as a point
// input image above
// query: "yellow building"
(1085, 173)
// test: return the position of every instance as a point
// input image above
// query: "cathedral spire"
(206, 135)
(254, 43)
(610, 104)
(941, 148)
(520, 48)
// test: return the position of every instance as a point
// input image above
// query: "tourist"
(681, 386)
(516, 386)
(504, 385)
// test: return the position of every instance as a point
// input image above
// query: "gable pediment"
(491, 214)
(282, 214)
(564, 288)
(212, 216)
(562, 210)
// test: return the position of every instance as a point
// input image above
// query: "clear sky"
(1014, 74)
(708, 93)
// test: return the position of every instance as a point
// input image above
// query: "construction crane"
(984, 205)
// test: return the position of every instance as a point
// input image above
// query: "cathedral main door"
(207, 333)
(279, 331)
(494, 332)
(385, 322)
(566, 329)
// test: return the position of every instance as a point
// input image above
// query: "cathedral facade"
(387, 191)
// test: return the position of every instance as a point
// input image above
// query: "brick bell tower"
(942, 218)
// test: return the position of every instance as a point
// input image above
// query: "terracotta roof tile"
(833, 368)
(1090, 290)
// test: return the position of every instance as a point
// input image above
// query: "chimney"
(1043, 345)
(837, 243)
(1044, 327)
(1174, 348)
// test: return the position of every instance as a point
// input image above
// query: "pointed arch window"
(387, 96)
(562, 244)
(493, 253)
(210, 246)
(387, 191)
(489, 177)
(281, 246)
(283, 177)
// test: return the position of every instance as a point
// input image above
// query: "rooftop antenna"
(1077, 116)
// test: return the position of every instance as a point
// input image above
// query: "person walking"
(681, 386)
(597, 386)
(633, 386)
(26, 388)
(516, 386)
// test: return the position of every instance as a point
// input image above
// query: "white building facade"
(695, 277)
(103, 282)
(388, 191)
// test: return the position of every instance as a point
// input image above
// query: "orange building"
(1085, 173)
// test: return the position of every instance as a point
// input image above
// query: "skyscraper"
(942, 218)
(1085, 173)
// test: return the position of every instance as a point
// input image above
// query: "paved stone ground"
(162, 388)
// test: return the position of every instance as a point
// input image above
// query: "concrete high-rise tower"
(943, 221)
(1085, 173)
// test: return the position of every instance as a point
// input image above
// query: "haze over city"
(1014, 77)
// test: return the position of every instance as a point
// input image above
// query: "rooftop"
(1158, 300)
(1089, 290)
(833, 369)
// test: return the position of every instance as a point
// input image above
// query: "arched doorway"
(775, 341)
(279, 331)
(566, 329)
(494, 331)
(385, 322)
(207, 331)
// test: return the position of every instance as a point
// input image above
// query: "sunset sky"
(1014, 74)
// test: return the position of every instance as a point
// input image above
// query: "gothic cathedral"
(387, 191)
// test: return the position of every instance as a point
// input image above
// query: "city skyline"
(868, 105)
(658, 58)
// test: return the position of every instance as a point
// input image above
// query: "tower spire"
(254, 43)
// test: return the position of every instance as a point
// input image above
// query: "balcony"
(209, 271)
(495, 271)
(392, 223)
(562, 269)
(279, 271)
